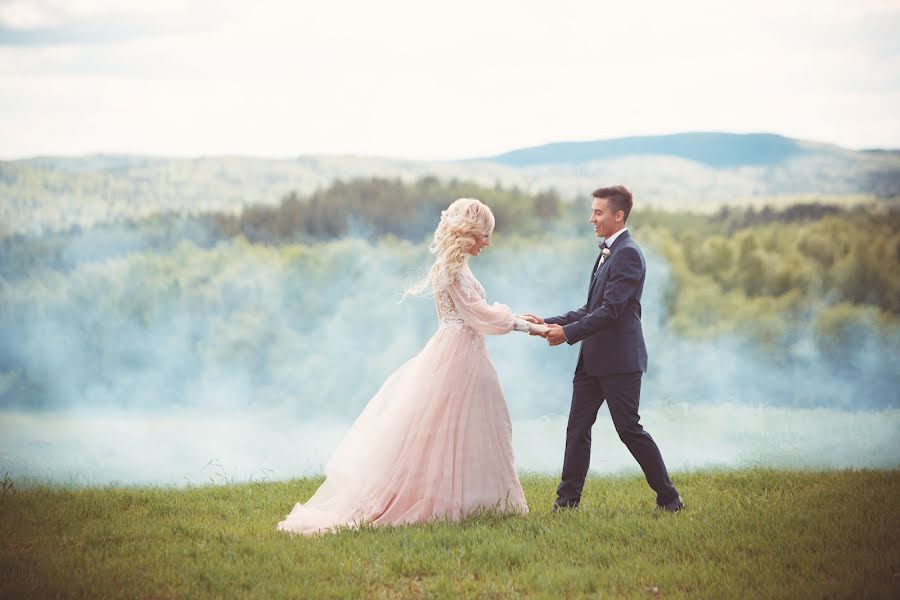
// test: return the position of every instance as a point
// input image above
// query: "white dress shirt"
(609, 241)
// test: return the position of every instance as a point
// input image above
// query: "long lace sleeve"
(484, 318)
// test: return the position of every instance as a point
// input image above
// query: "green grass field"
(747, 533)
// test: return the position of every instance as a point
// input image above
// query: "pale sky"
(437, 80)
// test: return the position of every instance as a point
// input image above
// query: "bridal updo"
(464, 221)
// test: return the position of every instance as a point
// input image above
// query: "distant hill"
(707, 148)
(689, 170)
(883, 151)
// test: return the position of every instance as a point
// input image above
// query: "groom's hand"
(556, 335)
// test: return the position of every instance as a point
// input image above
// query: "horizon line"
(470, 158)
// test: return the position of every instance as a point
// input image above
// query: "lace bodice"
(447, 313)
(462, 306)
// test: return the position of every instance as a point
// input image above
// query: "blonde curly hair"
(464, 221)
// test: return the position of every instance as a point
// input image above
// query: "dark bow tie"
(602, 244)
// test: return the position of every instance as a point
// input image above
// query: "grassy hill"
(744, 534)
(697, 171)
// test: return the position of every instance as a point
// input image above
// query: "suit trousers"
(622, 393)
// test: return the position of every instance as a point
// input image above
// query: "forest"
(176, 306)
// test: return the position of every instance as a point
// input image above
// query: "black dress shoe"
(562, 507)
(673, 507)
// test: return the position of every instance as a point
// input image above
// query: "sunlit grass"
(752, 533)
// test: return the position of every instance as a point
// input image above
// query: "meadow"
(756, 533)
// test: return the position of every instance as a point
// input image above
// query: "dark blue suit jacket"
(609, 324)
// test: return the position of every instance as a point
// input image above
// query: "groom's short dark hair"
(619, 198)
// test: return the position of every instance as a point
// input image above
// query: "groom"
(613, 356)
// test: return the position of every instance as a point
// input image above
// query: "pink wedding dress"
(435, 442)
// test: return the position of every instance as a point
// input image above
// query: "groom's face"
(602, 218)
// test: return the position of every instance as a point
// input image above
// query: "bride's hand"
(538, 330)
(533, 319)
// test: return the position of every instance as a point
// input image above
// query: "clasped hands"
(555, 334)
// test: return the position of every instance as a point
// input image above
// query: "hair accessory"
(450, 218)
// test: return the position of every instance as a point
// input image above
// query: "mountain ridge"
(714, 149)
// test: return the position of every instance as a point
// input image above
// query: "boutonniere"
(604, 254)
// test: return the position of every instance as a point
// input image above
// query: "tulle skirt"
(435, 442)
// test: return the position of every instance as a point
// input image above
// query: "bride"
(435, 442)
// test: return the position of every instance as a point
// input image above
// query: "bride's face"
(481, 241)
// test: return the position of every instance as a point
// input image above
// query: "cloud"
(53, 22)
(404, 79)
